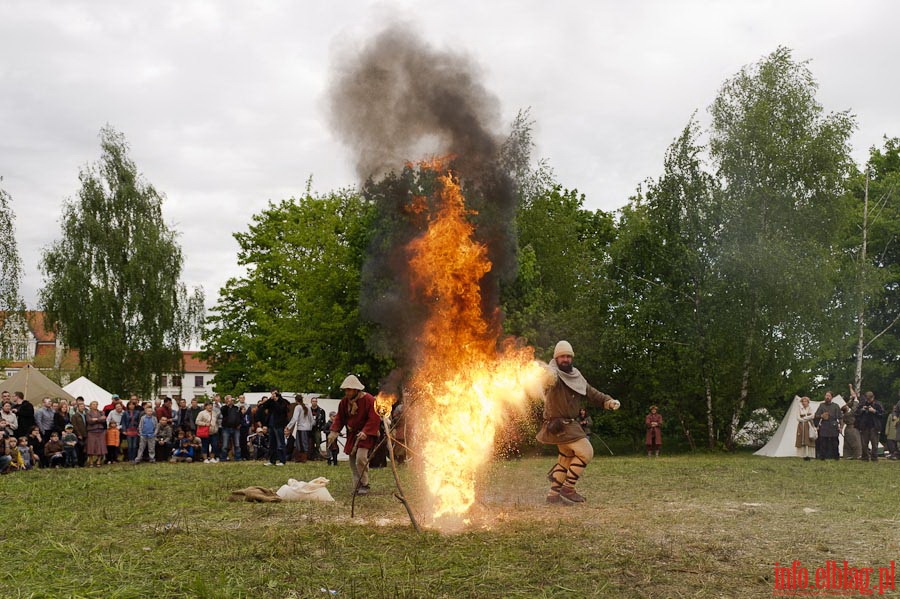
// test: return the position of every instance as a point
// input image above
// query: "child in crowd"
(184, 449)
(196, 443)
(70, 446)
(112, 442)
(259, 441)
(53, 450)
(164, 439)
(25, 453)
(12, 450)
(147, 427)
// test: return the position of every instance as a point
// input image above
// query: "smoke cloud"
(399, 100)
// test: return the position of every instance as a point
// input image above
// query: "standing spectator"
(331, 446)
(585, 420)
(79, 424)
(115, 415)
(852, 444)
(113, 440)
(183, 417)
(194, 410)
(653, 438)
(868, 421)
(231, 429)
(44, 418)
(96, 439)
(891, 433)
(318, 415)
(828, 421)
(165, 410)
(246, 422)
(274, 414)
(357, 412)
(131, 418)
(70, 446)
(205, 422)
(148, 426)
(9, 422)
(113, 400)
(299, 428)
(60, 416)
(24, 413)
(805, 439)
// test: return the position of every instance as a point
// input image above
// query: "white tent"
(781, 445)
(89, 390)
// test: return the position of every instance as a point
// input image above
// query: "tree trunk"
(861, 307)
(745, 389)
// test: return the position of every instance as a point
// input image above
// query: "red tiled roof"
(194, 364)
(37, 322)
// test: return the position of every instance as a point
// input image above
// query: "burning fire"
(465, 385)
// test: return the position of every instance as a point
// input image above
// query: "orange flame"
(465, 383)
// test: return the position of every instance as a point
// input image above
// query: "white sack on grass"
(297, 490)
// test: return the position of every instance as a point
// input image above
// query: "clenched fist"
(613, 404)
(332, 437)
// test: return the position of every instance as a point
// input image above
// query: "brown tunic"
(654, 434)
(564, 403)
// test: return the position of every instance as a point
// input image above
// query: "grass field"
(684, 526)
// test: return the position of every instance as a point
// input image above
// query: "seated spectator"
(25, 453)
(36, 443)
(53, 451)
(164, 439)
(70, 446)
(184, 449)
(5, 458)
(9, 422)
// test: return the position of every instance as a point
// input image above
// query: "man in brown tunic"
(562, 401)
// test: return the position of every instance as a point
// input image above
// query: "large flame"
(466, 383)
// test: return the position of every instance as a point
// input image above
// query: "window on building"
(198, 381)
(163, 381)
(176, 380)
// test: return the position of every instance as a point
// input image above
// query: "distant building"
(195, 381)
(27, 340)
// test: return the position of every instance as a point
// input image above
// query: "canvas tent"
(781, 445)
(35, 385)
(89, 390)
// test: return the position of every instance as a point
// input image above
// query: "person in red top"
(357, 412)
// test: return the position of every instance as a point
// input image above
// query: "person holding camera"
(868, 421)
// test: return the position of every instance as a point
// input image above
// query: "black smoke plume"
(399, 100)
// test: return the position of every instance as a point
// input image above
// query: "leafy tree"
(292, 320)
(112, 279)
(11, 304)
(783, 166)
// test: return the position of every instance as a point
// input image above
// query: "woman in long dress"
(804, 425)
(653, 438)
(96, 436)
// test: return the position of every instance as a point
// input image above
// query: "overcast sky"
(223, 103)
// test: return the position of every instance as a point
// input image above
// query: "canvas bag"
(297, 490)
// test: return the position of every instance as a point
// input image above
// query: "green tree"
(292, 321)
(12, 322)
(783, 166)
(112, 280)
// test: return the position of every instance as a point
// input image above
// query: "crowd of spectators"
(59, 435)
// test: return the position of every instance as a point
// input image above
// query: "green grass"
(691, 526)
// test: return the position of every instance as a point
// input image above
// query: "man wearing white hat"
(357, 412)
(563, 398)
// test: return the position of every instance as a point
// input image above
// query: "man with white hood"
(563, 398)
